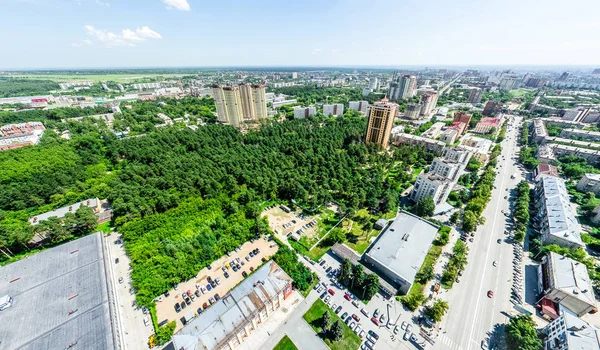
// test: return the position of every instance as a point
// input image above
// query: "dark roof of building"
(60, 297)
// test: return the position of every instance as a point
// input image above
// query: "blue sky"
(146, 33)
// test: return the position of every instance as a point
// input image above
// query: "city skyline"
(181, 33)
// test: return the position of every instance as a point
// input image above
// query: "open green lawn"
(359, 231)
(349, 341)
(518, 93)
(104, 227)
(317, 252)
(122, 78)
(285, 344)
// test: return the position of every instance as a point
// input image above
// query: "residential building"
(544, 169)
(446, 168)
(373, 83)
(359, 106)
(564, 123)
(333, 109)
(461, 117)
(225, 324)
(591, 156)
(145, 86)
(304, 112)
(408, 139)
(576, 114)
(449, 135)
(20, 135)
(492, 108)
(545, 154)
(569, 332)
(381, 121)
(566, 282)
(253, 101)
(479, 147)
(596, 218)
(428, 102)
(405, 88)
(294, 75)
(555, 218)
(589, 183)
(393, 90)
(508, 83)
(366, 92)
(433, 185)
(487, 125)
(475, 96)
(228, 103)
(434, 131)
(539, 131)
(578, 134)
(413, 110)
(457, 154)
(399, 251)
(68, 85)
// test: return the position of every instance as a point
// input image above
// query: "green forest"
(10, 87)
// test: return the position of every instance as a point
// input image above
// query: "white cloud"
(181, 5)
(102, 3)
(86, 42)
(127, 37)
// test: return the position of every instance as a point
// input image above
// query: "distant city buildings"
(508, 84)
(145, 86)
(68, 85)
(404, 88)
(381, 121)
(359, 106)
(20, 135)
(304, 112)
(333, 109)
(428, 102)
(475, 96)
(373, 83)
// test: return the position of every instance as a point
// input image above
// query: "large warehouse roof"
(402, 247)
(60, 297)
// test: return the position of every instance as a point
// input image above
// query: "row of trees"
(521, 212)
(354, 277)
(10, 87)
(457, 262)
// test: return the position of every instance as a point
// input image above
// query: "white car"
(352, 325)
(404, 324)
(396, 329)
(362, 334)
(357, 329)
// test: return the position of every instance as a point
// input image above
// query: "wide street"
(472, 313)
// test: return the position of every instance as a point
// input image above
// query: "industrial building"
(555, 218)
(566, 282)
(60, 299)
(399, 251)
(225, 324)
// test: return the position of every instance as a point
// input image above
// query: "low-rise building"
(432, 185)
(591, 156)
(104, 214)
(479, 147)
(225, 324)
(569, 332)
(449, 136)
(555, 218)
(580, 134)
(566, 282)
(539, 131)
(589, 183)
(487, 125)
(304, 112)
(544, 169)
(408, 139)
(545, 154)
(457, 154)
(20, 135)
(434, 131)
(492, 108)
(399, 251)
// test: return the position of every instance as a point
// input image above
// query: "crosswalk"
(444, 342)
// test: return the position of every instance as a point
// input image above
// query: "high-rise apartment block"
(431, 185)
(408, 87)
(428, 102)
(413, 110)
(234, 104)
(492, 107)
(475, 96)
(304, 112)
(381, 121)
(359, 106)
(334, 109)
(373, 83)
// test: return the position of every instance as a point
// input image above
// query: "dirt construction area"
(283, 223)
(165, 309)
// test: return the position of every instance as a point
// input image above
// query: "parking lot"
(395, 325)
(283, 223)
(202, 293)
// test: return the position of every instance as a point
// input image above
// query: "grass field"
(349, 341)
(285, 344)
(518, 93)
(359, 231)
(122, 78)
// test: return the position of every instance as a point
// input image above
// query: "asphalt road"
(472, 313)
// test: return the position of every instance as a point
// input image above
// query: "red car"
(490, 294)
(347, 296)
(356, 318)
(374, 320)
(331, 291)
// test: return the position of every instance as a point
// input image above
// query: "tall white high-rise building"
(373, 83)
(429, 102)
(333, 109)
(407, 87)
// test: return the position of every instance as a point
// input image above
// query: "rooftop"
(43, 286)
(595, 177)
(403, 245)
(222, 319)
(558, 212)
(488, 121)
(580, 334)
(572, 278)
(60, 212)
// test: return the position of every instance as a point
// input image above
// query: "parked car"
(327, 298)
(177, 307)
(247, 258)
(374, 320)
(203, 290)
(120, 279)
(199, 310)
(251, 268)
(211, 301)
(244, 274)
(217, 297)
(183, 305)
(374, 335)
(226, 275)
(339, 308)
(197, 292)
(251, 254)
(331, 291)
(347, 297)
(356, 318)
(364, 312)
(208, 287)
(204, 306)
(218, 280)
(362, 334)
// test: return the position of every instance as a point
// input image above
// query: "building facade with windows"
(381, 121)
(333, 109)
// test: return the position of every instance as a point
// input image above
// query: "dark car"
(217, 297)
(226, 275)
(116, 260)
(183, 305)
(177, 307)
(344, 315)
(188, 301)
(264, 259)
(209, 267)
(374, 335)
(209, 279)
(166, 294)
(183, 321)
(197, 292)
(251, 254)
(251, 268)
(199, 310)
(234, 268)
(256, 251)
(244, 274)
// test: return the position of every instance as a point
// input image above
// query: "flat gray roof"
(580, 334)
(559, 214)
(403, 245)
(61, 212)
(39, 317)
(572, 278)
